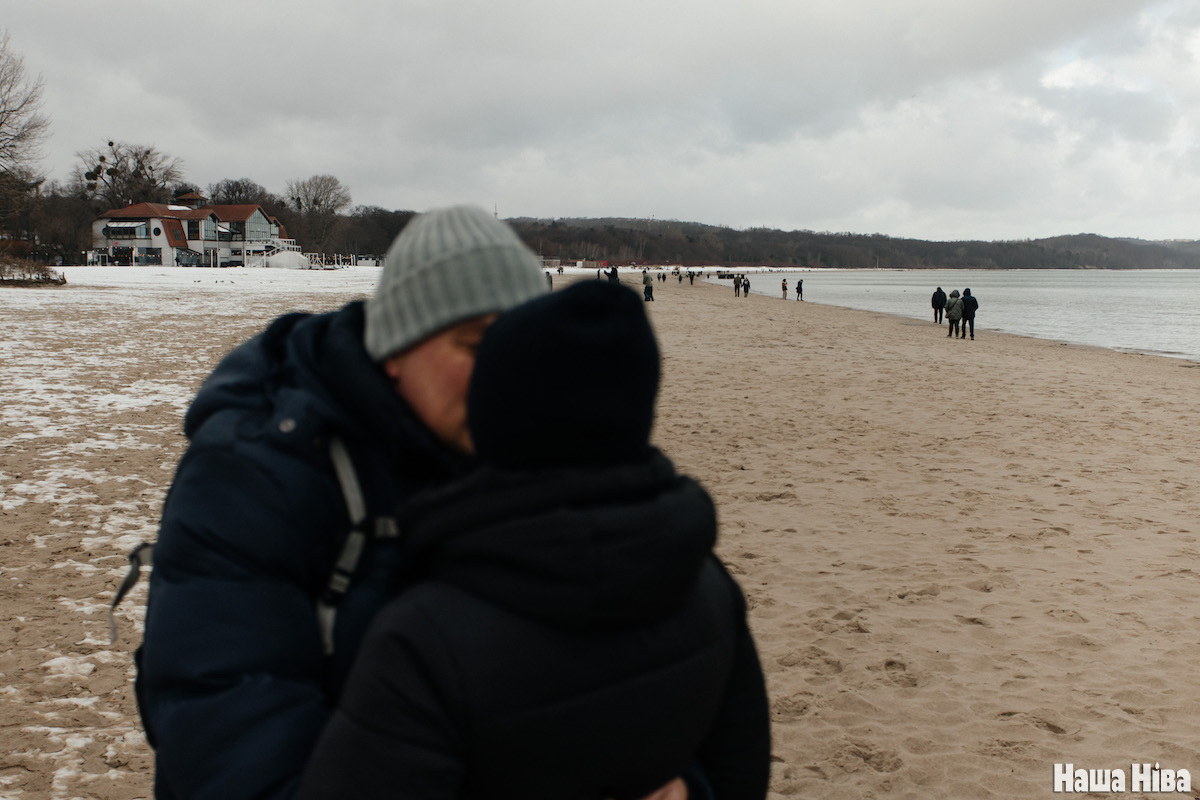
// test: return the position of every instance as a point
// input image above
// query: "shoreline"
(118, 276)
(1011, 308)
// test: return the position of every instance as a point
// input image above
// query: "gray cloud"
(932, 118)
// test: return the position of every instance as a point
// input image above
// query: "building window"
(126, 230)
(258, 228)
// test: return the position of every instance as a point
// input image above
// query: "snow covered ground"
(94, 379)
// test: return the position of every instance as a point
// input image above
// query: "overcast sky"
(931, 119)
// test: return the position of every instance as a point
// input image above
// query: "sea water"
(1151, 311)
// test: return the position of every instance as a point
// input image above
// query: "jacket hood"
(588, 548)
(954, 293)
(314, 368)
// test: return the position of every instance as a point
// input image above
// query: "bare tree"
(318, 199)
(238, 191)
(121, 174)
(22, 127)
(320, 194)
(19, 203)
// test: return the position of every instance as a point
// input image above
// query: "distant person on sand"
(939, 304)
(745, 286)
(549, 280)
(566, 596)
(612, 274)
(799, 290)
(647, 286)
(737, 285)
(954, 312)
(785, 288)
(969, 306)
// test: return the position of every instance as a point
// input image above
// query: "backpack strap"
(361, 530)
(355, 543)
(140, 556)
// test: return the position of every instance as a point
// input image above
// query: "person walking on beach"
(253, 619)
(737, 285)
(507, 670)
(647, 286)
(969, 306)
(785, 288)
(939, 304)
(745, 286)
(800, 290)
(954, 311)
(611, 274)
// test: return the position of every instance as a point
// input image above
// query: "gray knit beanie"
(446, 266)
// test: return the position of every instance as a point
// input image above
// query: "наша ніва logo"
(1142, 778)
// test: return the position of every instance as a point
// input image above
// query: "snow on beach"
(94, 379)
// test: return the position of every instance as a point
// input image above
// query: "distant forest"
(639, 241)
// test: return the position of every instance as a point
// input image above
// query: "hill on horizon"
(649, 241)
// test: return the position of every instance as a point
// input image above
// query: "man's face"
(432, 376)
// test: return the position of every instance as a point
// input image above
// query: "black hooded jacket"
(233, 686)
(571, 635)
(970, 304)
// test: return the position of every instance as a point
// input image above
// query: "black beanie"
(567, 379)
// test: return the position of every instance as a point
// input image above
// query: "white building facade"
(187, 236)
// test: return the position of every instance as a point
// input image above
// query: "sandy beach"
(966, 561)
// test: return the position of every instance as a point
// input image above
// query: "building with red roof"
(188, 233)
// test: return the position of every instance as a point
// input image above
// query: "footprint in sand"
(786, 709)
(1034, 720)
(813, 658)
(854, 755)
(1004, 748)
(897, 672)
(925, 593)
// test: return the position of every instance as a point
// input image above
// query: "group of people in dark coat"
(959, 311)
(532, 608)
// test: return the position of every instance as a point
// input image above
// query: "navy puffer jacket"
(570, 637)
(233, 686)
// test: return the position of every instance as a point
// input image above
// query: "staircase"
(270, 247)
